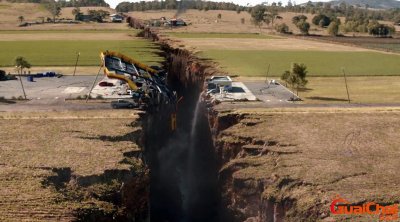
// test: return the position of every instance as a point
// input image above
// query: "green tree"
(321, 20)
(21, 19)
(298, 18)
(296, 77)
(257, 15)
(21, 63)
(333, 29)
(282, 28)
(76, 11)
(304, 27)
(54, 9)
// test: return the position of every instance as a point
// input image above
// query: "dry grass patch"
(50, 161)
(284, 44)
(309, 157)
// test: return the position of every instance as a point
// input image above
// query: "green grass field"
(221, 35)
(129, 31)
(255, 62)
(368, 89)
(63, 53)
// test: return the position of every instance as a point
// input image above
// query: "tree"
(380, 30)
(321, 20)
(333, 29)
(76, 11)
(21, 19)
(296, 19)
(282, 28)
(21, 63)
(54, 9)
(304, 27)
(296, 77)
(257, 15)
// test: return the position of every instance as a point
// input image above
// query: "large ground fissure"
(182, 163)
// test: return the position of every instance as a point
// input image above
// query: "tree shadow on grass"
(305, 90)
(130, 137)
(326, 99)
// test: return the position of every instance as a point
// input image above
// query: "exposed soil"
(268, 44)
(291, 165)
(66, 166)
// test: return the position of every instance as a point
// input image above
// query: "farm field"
(201, 35)
(56, 163)
(384, 44)
(370, 89)
(322, 152)
(49, 53)
(319, 63)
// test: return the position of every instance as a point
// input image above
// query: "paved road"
(273, 94)
(48, 88)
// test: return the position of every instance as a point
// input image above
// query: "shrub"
(282, 28)
(333, 29)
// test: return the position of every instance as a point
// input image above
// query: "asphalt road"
(272, 94)
(48, 87)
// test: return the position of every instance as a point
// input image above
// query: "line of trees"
(174, 4)
(65, 3)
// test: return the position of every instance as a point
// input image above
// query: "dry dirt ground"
(9, 13)
(283, 44)
(305, 157)
(54, 163)
(230, 22)
(67, 12)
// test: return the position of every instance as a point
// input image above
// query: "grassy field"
(221, 35)
(63, 31)
(63, 53)
(307, 156)
(371, 89)
(255, 62)
(54, 163)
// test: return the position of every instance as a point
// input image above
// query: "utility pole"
(347, 88)
(94, 83)
(20, 79)
(76, 63)
(266, 77)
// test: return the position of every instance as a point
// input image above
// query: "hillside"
(9, 13)
(378, 4)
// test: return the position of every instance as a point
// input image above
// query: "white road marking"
(70, 90)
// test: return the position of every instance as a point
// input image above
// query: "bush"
(321, 20)
(282, 28)
(381, 30)
(298, 18)
(333, 29)
(304, 27)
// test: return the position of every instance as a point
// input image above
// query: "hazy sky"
(114, 3)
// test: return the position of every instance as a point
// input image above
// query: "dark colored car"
(105, 84)
(121, 104)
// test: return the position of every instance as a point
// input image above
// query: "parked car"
(121, 104)
(105, 84)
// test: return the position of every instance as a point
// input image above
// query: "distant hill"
(378, 4)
